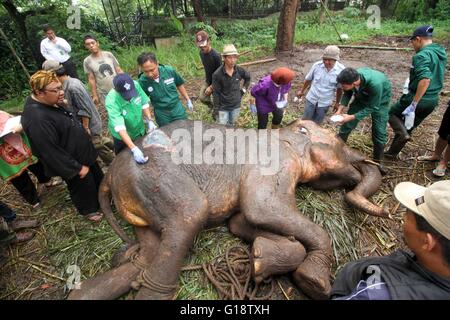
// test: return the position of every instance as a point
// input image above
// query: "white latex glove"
(138, 155)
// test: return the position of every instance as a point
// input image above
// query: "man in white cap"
(227, 87)
(322, 80)
(424, 274)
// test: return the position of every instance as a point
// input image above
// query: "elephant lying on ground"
(170, 203)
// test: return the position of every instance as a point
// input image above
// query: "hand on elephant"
(338, 109)
(139, 155)
(346, 118)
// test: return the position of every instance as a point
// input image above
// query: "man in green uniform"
(162, 83)
(426, 78)
(372, 94)
(127, 106)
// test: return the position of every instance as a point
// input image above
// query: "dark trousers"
(264, 118)
(25, 185)
(84, 192)
(71, 68)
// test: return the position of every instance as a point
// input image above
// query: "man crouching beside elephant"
(170, 203)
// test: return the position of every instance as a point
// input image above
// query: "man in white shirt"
(57, 49)
(322, 79)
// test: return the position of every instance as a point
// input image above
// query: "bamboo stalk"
(257, 62)
(375, 48)
(14, 52)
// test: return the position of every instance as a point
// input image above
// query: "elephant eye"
(303, 130)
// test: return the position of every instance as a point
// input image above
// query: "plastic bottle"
(405, 86)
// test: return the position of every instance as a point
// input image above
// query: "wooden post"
(14, 53)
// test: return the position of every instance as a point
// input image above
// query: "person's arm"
(183, 92)
(246, 76)
(339, 92)
(302, 91)
(93, 86)
(85, 122)
(116, 65)
(216, 89)
(44, 51)
(371, 105)
(126, 139)
(422, 88)
(63, 44)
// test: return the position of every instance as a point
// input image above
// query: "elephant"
(169, 203)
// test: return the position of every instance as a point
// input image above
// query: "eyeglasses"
(56, 90)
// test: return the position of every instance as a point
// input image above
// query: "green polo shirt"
(126, 115)
(164, 95)
(373, 94)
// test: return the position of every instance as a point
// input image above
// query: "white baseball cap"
(432, 203)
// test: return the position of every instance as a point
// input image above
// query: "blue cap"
(423, 31)
(124, 85)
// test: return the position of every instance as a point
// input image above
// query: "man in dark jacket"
(59, 140)
(425, 274)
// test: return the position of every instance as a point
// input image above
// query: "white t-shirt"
(324, 83)
(58, 51)
(104, 70)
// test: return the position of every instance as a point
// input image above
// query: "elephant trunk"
(369, 184)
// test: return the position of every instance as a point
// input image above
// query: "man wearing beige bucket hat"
(424, 274)
(228, 88)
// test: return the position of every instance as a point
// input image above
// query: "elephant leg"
(271, 254)
(182, 223)
(116, 282)
(274, 210)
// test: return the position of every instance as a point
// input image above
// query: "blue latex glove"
(151, 125)
(410, 114)
(138, 155)
(190, 105)
(253, 108)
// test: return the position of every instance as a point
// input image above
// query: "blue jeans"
(228, 117)
(314, 113)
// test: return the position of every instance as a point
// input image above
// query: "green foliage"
(212, 33)
(410, 10)
(442, 10)
(176, 23)
(352, 12)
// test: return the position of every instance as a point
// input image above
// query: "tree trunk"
(198, 10)
(323, 5)
(286, 25)
(20, 22)
(174, 7)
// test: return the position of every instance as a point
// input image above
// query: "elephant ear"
(326, 158)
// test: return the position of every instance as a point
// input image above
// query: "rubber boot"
(276, 126)
(378, 156)
(400, 139)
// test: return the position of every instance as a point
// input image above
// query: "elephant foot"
(274, 256)
(149, 289)
(313, 278)
(148, 294)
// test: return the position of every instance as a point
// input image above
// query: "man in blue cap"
(426, 78)
(127, 106)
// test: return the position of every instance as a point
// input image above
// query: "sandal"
(427, 158)
(94, 217)
(440, 170)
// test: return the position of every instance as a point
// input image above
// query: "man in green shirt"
(162, 84)
(426, 78)
(127, 106)
(372, 92)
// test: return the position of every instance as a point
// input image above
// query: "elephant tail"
(369, 184)
(104, 198)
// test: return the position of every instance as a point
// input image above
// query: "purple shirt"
(266, 93)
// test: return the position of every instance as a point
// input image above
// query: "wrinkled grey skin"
(170, 204)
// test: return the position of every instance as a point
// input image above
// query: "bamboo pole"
(375, 48)
(331, 20)
(257, 62)
(14, 53)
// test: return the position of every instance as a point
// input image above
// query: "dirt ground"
(31, 274)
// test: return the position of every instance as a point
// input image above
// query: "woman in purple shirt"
(271, 95)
